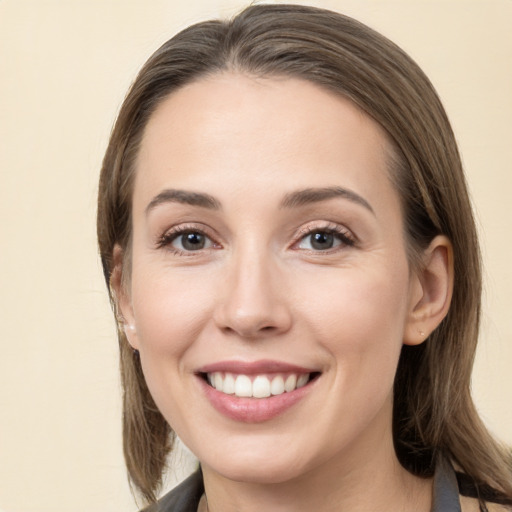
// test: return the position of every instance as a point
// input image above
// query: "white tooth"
(302, 380)
(217, 381)
(243, 386)
(209, 378)
(229, 384)
(291, 382)
(261, 387)
(277, 385)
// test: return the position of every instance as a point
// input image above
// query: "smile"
(257, 386)
(253, 392)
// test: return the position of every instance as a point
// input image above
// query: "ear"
(119, 284)
(431, 291)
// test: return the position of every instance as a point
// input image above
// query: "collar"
(445, 496)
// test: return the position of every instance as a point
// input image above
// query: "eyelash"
(165, 241)
(345, 238)
(342, 234)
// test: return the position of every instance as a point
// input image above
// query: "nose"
(252, 300)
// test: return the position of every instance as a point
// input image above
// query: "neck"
(376, 483)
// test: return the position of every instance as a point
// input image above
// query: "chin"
(264, 474)
(262, 467)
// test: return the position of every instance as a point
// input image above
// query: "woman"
(289, 246)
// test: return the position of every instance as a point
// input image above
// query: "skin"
(259, 290)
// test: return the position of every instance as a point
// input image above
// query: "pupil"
(322, 240)
(193, 241)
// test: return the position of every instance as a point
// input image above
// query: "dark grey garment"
(185, 497)
(445, 495)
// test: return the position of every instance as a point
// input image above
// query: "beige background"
(64, 68)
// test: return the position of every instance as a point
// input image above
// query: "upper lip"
(254, 367)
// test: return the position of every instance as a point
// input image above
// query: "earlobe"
(121, 294)
(431, 291)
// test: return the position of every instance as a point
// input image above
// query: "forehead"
(236, 128)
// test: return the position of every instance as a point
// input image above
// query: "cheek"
(360, 316)
(361, 299)
(170, 309)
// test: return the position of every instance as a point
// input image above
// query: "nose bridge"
(252, 302)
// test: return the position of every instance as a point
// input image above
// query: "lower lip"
(253, 410)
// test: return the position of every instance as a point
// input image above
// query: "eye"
(191, 241)
(319, 241)
(186, 240)
(324, 239)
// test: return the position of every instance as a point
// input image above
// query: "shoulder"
(494, 501)
(468, 504)
(494, 507)
(183, 498)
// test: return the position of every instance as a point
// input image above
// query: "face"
(269, 289)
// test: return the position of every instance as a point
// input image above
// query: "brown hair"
(433, 409)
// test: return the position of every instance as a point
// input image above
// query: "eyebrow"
(184, 197)
(291, 200)
(315, 195)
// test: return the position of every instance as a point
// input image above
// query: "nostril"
(251, 319)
